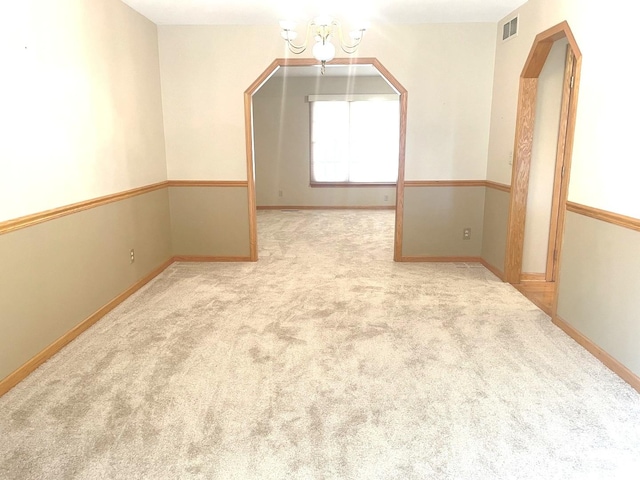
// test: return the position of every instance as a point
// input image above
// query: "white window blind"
(355, 141)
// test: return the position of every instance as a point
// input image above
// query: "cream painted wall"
(81, 113)
(446, 68)
(543, 160)
(281, 132)
(605, 161)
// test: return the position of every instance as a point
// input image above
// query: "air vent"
(510, 28)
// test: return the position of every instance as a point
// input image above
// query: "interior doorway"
(542, 290)
(251, 133)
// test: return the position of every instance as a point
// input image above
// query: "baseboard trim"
(314, 207)
(198, 258)
(23, 372)
(427, 259)
(497, 272)
(614, 365)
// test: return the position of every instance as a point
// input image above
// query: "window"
(355, 141)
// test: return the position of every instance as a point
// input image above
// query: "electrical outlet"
(280, 193)
(466, 234)
(386, 198)
(510, 157)
(132, 254)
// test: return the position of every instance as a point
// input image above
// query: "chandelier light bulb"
(287, 25)
(324, 51)
(289, 35)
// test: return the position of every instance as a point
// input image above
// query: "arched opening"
(249, 137)
(526, 117)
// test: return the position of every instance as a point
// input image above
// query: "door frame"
(525, 120)
(249, 140)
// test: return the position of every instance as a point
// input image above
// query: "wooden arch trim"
(248, 119)
(525, 121)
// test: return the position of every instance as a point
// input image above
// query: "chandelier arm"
(349, 48)
(298, 49)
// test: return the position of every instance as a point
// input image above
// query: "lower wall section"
(494, 231)
(598, 289)
(210, 221)
(435, 217)
(58, 273)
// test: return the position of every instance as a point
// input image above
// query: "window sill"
(349, 184)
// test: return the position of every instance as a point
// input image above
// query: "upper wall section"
(446, 68)
(604, 169)
(81, 110)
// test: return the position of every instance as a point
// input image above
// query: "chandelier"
(323, 29)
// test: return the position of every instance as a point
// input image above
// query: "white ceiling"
(269, 12)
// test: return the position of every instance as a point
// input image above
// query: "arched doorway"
(249, 136)
(526, 116)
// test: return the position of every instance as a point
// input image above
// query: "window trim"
(373, 97)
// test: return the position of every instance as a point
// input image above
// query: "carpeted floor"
(324, 360)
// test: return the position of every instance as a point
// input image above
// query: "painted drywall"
(543, 160)
(281, 142)
(435, 217)
(604, 171)
(81, 110)
(446, 68)
(494, 228)
(49, 287)
(599, 286)
(209, 221)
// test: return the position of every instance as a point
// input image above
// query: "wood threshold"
(605, 216)
(533, 277)
(614, 365)
(22, 372)
(45, 216)
(208, 183)
(541, 294)
(320, 207)
(205, 258)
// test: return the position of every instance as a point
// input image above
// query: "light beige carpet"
(324, 360)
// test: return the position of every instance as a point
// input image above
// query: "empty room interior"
(269, 240)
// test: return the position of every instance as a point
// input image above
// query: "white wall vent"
(510, 29)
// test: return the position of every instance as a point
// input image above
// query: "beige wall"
(82, 118)
(435, 218)
(81, 108)
(281, 142)
(447, 69)
(56, 274)
(209, 221)
(599, 286)
(494, 228)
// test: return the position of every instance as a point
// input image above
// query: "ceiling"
(269, 12)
